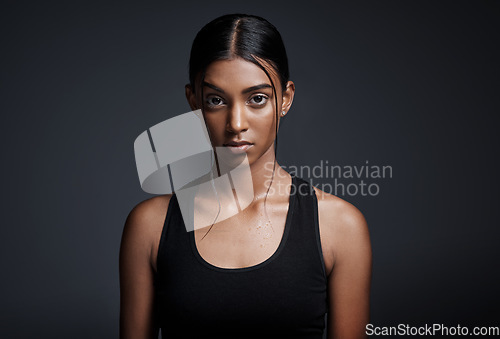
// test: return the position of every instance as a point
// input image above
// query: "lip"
(238, 146)
(237, 143)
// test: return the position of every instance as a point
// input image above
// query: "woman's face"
(239, 106)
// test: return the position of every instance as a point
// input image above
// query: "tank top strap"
(304, 234)
(174, 240)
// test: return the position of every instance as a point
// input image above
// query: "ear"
(288, 96)
(191, 97)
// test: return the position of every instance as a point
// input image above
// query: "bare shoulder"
(148, 211)
(144, 225)
(342, 227)
(339, 213)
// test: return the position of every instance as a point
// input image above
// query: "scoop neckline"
(281, 246)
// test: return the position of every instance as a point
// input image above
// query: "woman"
(277, 268)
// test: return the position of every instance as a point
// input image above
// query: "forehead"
(238, 73)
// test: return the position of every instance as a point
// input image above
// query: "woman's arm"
(350, 276)
(137, 255)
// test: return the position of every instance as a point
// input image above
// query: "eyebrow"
(246, 90)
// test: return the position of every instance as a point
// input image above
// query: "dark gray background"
(410, 84)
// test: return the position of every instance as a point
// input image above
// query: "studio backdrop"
(395, 111)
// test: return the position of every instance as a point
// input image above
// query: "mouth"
(238, 146)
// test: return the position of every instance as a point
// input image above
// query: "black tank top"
(283, 297)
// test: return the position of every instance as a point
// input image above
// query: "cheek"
(265, 125)
(215, 127)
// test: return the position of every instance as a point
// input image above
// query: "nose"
(237, 121)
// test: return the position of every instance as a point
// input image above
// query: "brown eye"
(214, 101)
(259, 99)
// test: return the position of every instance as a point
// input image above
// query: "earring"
(283, 113)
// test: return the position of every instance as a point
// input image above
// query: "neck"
(263, 179)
